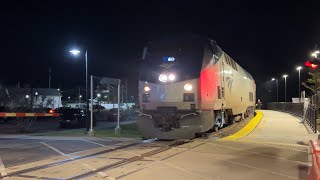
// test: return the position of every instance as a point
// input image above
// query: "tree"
(310, 82)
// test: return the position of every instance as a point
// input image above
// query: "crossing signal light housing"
(313, 63)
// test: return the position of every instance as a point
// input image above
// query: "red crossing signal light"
(312, 65)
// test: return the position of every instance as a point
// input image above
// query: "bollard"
(314, 159)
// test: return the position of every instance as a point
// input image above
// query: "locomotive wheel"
(217, 122)
(216, 128)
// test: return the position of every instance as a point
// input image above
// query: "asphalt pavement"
(19, 150)
(275, 149)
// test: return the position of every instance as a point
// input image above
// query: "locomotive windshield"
(180, 58)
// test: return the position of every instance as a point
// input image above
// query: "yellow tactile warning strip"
(245, 131)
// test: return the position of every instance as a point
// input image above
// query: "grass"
(127, 131)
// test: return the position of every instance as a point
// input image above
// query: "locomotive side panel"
(210, 82)
(239, 87)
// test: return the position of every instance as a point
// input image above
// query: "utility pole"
(79, 98)
(127, 92)
(49, 77)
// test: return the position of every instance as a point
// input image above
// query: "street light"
(298, 69)
(76, 52)
(98, 95)
(315, 53)
(285, 87)
(277, 84)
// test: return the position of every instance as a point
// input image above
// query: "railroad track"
(127, 161)
(106, 167)
(45, 166)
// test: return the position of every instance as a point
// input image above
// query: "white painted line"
(259, 169)
(55, 149)
(77, 152)
(252, 152)
(272, 144)
(94, 143)
(2, 169)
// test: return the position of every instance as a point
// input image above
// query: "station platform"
(280, 127)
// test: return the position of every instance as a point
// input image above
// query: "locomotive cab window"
(250, 96)
(188, 97)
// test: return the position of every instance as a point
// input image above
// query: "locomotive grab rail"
(142, 114)
(185, 115)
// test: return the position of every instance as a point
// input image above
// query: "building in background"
(30, 97)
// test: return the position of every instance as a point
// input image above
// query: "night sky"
(267, 38)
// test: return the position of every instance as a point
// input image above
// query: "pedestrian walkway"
(280, 127)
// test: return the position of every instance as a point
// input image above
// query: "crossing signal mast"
(313, 64)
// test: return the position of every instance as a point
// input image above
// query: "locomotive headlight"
(146, 88)
(163, 78)
(187, 87)
(172, 77)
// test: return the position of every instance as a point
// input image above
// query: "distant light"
(27, 96)
(36, 93)
(163, 78)
(273, 79)
(58, 89)
(98, 95)
(147, 88)
(187, 87)
(74, 52)
(285, 76)
(299, 68)
(51, 111)
(69, 97)
(172, 77)
(80, 96)
(105, 96)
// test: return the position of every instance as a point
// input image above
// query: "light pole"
(315, 54)
(285, 87)
(277, 84)
(76, 52)
(299, 69)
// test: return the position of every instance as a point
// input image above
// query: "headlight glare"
(163, 78)
(172, 77)
(147, 88)
(187, 87)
